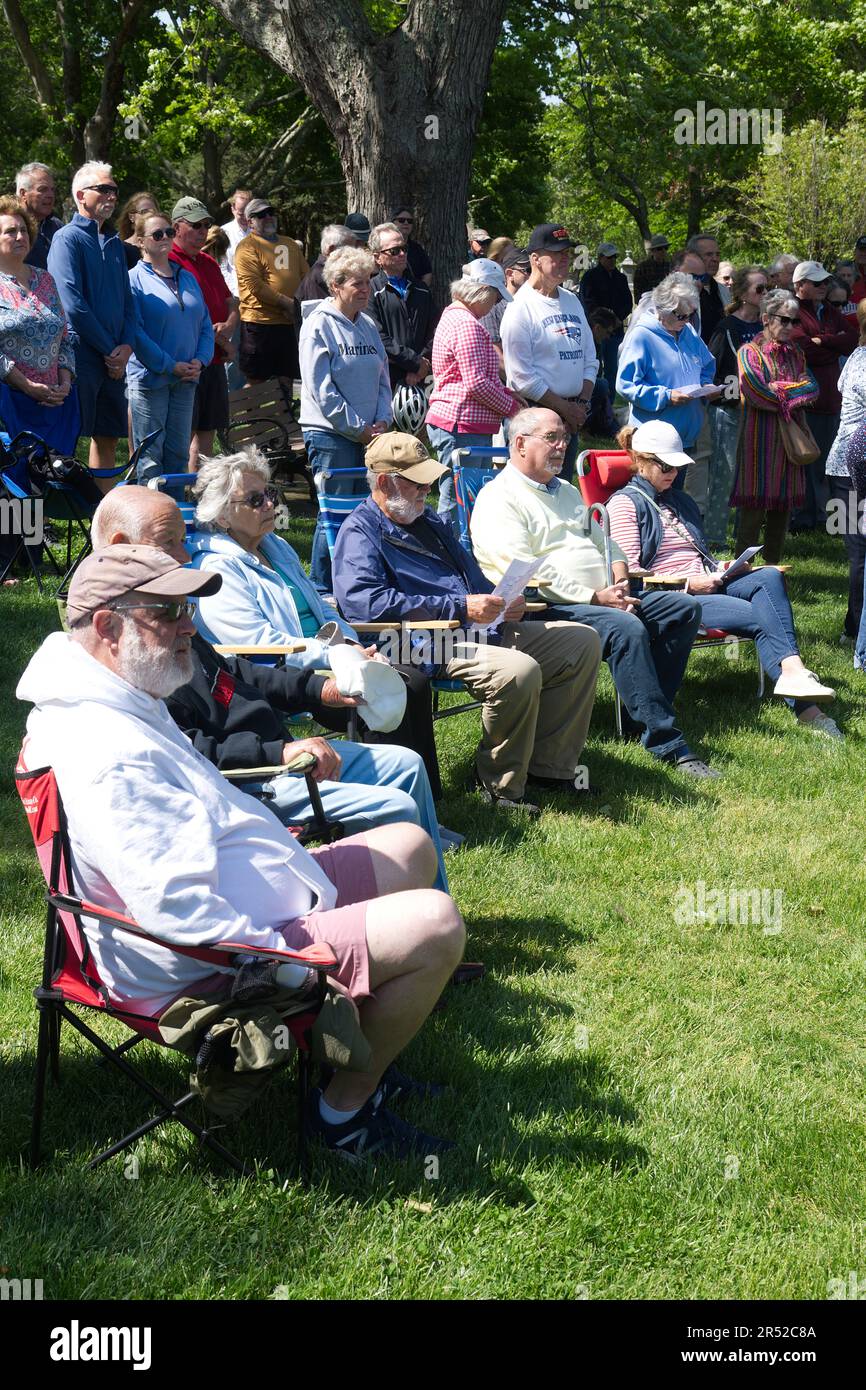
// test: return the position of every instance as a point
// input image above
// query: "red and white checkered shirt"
(467, 395)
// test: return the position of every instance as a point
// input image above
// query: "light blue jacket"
(345, 383)
(653, 363)
(255, 605)
(166, 333)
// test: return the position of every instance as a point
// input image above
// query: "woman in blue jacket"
(664, 361)
(173, 341)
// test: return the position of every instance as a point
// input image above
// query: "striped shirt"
(675, 554)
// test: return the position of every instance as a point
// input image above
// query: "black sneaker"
(373, 1131)
(395, 1085)
(568, 785)
(509, 805)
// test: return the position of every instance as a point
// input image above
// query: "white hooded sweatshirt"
(155, 831)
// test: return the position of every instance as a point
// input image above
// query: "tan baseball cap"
(404, 454)
(121, 570)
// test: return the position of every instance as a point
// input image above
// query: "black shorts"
(211, 408)
(269, 350)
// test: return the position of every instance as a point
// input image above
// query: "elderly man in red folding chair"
(157, 833)
(528, 512)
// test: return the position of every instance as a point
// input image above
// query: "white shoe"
(822, 724)
(803, 685)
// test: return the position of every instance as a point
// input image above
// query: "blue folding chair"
(469, 481)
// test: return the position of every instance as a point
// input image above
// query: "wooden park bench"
(264, 415)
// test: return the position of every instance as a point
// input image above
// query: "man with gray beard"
(156, 833)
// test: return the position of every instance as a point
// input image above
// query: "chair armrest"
(536, 606)
(267, 649)
(318, 955)
(303, 762)
(414, 625)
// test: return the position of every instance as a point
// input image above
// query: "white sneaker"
(822, 724)
(803, 685)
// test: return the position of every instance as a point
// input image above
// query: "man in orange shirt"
(269, 269)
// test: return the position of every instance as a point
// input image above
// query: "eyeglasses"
(681, 318)
(256, 500)
(168, 612)
(759, 289)
(162, 232)
(263, 212)
(105, 188)
(786, 320)
(552, 438)
(393, 250)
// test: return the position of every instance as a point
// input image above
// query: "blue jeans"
(167, 408)
(327, 449)
(756, 606)
(647, 652)
(378, 785)
(444, 443)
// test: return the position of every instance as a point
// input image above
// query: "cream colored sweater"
(514, 519)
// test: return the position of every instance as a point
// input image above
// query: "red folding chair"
(70, 982)
(600, 473)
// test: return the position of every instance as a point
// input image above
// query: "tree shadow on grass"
(509, 1105)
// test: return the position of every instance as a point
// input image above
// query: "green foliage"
(811, 197)
(509, 167)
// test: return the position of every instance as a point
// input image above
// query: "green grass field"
(645, 1106)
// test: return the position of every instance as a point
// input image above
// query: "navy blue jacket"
(38, 253)
(93, 283)
(382, 573)
(649, 523)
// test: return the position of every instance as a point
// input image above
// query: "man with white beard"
(156, 833)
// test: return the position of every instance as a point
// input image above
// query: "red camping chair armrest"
(318, 956)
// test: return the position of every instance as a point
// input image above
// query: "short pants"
(211, 408)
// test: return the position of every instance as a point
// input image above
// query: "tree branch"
(39, 73)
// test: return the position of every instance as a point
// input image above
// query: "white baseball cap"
(809, 270)
(659, 438)
(488, 272)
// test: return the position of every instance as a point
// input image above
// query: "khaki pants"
(538, 690)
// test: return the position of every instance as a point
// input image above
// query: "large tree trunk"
(402, 107)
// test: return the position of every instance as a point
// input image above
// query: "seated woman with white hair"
(468, 402)
(266, 598)
(659, 529)
(664, 363)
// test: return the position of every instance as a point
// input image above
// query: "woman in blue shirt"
(174, 340)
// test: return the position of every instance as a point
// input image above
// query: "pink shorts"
(349, 866)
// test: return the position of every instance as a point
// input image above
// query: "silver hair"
(218, 479)
(674, 291)
(348, 262)
(333, 236)
(27, 173)
(776, 301)
(128, 510)
(525, 422)
(87, 173)
(469, 291)
(375, 239)
(692, 243)
(781, 261)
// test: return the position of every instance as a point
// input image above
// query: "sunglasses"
(159, 235)
(783, 318)
(168, 612)
(664, 467)
(410, 220)
(265, 212)
(256, 500)
(681, 318)
(203, 226)
(105, 188)
(759, 289)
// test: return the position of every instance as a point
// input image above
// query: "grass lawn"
(645, 1106)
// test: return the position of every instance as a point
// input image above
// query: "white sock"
(336, 1117)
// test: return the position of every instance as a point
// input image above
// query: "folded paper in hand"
(379, 686)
